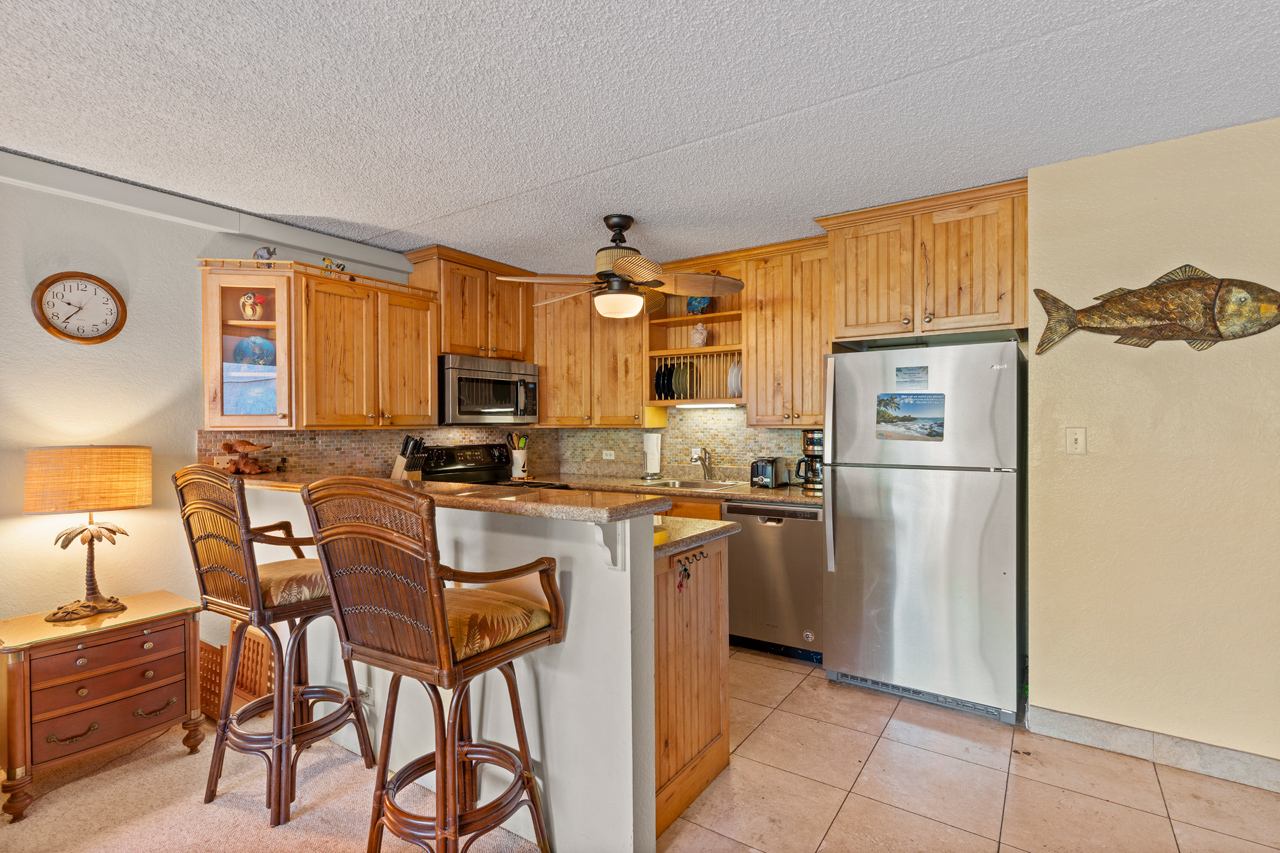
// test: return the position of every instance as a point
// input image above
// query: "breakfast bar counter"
(592, 702)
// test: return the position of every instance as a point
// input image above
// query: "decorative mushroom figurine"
(243, 463)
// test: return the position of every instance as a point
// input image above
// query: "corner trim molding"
(1258, 771)
(43, 176)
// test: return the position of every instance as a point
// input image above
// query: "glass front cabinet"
(270, 364)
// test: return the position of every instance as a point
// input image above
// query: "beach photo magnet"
(910, 417)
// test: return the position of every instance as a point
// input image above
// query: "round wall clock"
(80, 307)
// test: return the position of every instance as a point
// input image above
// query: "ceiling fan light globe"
(619, 306)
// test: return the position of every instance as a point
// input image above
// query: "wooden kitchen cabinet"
(691, 674)
(479, 315)
(341, 351)
(590, 368)
(948, 263)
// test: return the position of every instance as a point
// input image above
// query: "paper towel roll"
(653, 453)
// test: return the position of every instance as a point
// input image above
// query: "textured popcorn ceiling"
(509, 128)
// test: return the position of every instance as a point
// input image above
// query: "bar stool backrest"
(377, 547)
(217, 526)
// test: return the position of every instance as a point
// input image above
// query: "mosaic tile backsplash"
(370, 453)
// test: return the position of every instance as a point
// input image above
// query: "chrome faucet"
(702, 457)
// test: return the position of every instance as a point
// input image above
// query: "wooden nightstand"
(70, 689)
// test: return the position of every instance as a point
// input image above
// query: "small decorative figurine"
(243, 463)
(264, 253)
(698, 336)
(251, 305)
(331, 264)
(698, 304)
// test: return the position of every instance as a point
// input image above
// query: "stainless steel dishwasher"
(775, 574)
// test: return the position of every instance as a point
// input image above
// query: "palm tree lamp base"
(94, 601)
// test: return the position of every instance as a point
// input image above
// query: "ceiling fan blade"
(653, 299)
(696, 284)
(551, 279)
(637, 267)
(567, 296)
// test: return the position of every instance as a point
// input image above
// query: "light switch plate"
(1077, 444)
(607, 454)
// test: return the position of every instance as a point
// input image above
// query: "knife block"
(398, 471)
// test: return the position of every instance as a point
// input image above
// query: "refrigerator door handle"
(829, 424)
(829, 510)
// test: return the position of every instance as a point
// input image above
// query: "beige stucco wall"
(141, 387)
(1154, 578)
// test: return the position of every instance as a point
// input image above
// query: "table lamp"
(93, 478)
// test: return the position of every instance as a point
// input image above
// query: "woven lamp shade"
(93, 478)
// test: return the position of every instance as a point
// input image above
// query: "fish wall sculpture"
(1186, 304)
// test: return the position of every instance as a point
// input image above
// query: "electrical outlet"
(695, 453)
(366, 696)
(607, 454)
(1077, 444)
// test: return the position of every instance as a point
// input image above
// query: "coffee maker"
(809, 467)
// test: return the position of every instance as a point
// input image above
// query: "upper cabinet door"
(562, 348)
(408, 349)
(247, 382)
(966, 266)
(510, 329)
(339, 361)
(464, 306)
(873, 279)
(810, 271)
(618, 369)
(769, 346)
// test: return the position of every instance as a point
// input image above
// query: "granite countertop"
(631, 485)
(686, 533)
(568, 505)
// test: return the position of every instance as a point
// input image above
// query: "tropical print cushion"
(480, 619)
(291, 582)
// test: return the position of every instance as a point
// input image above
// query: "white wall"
(141, 387)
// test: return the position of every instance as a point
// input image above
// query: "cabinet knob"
(787, 417)
(637, 417)
(147, 645)
(149, 673)
(83, 691)
(906, 321)
(928, 318)
(797, 416)
(283, 416)
(371, 416)
(483, 349)
(82, 661)
(586, 417)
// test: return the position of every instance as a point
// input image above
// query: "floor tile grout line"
(1201, 826)
(834, 818)
(946, 754)
(1004, 806)
(926, 817)
(1094, 796)
(1167, 813)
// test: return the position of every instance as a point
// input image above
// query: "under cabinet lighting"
(708, 405)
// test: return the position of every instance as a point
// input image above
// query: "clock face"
(79, 307)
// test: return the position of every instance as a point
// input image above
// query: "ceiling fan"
(626, 282)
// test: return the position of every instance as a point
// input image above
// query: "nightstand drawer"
(97, 688)
(96, 726)
(84, 661)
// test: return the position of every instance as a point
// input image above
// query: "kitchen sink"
(699, 485)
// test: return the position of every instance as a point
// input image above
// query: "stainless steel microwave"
(487, 391)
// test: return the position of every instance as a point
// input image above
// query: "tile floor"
(818, 766)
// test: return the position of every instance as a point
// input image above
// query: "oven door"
(487, 397)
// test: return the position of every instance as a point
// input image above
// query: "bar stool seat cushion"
(480, 619)
(291, 582)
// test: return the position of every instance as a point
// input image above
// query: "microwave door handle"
(522, 392)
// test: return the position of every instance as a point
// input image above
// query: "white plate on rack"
(735, 379)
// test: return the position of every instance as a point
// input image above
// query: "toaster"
(769, 473)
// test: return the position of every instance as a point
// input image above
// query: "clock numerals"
(79, 306)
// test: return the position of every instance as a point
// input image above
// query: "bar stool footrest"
(411, 826)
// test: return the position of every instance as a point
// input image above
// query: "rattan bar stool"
(377, 545)
(233, 583)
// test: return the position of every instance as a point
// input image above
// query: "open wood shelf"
(657, 353)
(251, 324)
(695, 319)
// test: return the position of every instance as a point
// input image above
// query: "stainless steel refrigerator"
(923, 500)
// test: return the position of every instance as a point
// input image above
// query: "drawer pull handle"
(83, 691)
(82, 661)
(93, 727)
(148, 673)
(146, 646)
(167, 705)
